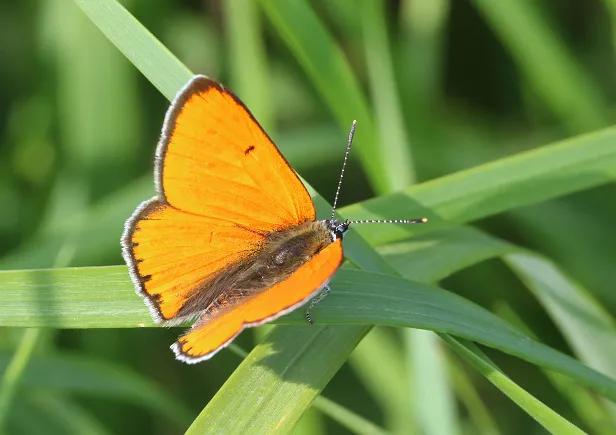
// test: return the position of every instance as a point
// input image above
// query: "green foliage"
(78, 139)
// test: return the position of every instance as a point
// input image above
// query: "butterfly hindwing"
(216, 329)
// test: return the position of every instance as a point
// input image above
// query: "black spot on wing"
(249, 149)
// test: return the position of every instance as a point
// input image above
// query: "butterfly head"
(337, 228)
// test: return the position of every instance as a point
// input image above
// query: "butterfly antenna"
(346, 157)
(391, 221)
(365, 221)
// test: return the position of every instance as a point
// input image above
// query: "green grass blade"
(354, 422)
(13, 373)
(397, 163)
(72, 418)
(587, 252)
(610, 5)
(434, 402)
(390, 388)
(139, 46)
(420, 51)
(569, 305)
(102, 297)
(526, 178)
(287, 361)
(43, 414)
(470, 396)
(433, 256)
(553, 73)
(326, 66)
(584, 402)
(249, 76)
(589, 329)
(89, 376)
(540, 412)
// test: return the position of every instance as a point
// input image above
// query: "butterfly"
(231, 239)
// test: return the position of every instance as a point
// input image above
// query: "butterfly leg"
(315, 301)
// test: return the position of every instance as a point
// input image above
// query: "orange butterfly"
(231, 240)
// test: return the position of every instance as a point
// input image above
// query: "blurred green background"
(473, 81)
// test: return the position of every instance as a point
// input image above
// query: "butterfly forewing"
(215, 160)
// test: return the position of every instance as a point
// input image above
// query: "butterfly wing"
(222, 186)
(171, 254)
(215, 160)
(217, 329)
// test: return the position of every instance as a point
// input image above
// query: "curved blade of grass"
(273, 362)
(249, 77)
(469, 395)
(331, 75)
(587, 326)
(585, 253)
(13, 372)
(553, 170)
(610, 5)
(80, 374)
(420, 51)
(540, 412)
(434, 400)
(354, 422)
(43, 414)
(394, 144)
(589, 329)
(585, 403)
(433, 256)
(389, 388)
(139, 46)
(72, 418)
(551, 70)
(433, 406)
(91, 297)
